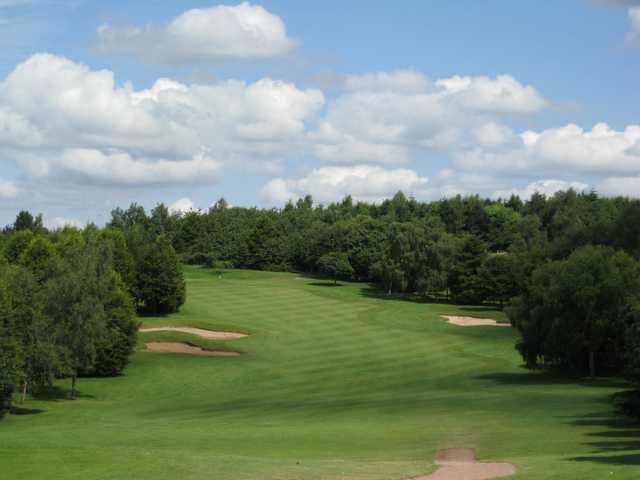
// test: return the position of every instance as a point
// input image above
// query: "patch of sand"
(208, 334)
(461, 464)
(473, 322)
(175, 347)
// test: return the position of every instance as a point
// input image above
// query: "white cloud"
(566, 149)
(215, 34)
(8, 189)
(61, 222)
(545, 187)
(504, 94)
(57, 116)
(394, 112)
(363, 182)
(122, 169)
(620, 186)
(633, 35)
(400, 81)
(182, 205)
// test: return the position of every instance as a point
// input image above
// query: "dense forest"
(68, 301)
(565, 268)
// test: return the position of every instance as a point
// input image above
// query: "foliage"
(336, 266)
(576, 311)
(160, 287)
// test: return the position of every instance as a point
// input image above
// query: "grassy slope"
(333, 384)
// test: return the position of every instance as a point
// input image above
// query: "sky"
(183, 102)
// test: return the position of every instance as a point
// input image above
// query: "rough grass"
(334, 383)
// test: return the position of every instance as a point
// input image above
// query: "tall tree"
(160, 286)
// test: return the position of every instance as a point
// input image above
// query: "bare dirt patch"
(176, 347)
(473, 322)
(461, 464)
(200, 332)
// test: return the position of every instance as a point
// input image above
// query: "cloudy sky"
(183, 102)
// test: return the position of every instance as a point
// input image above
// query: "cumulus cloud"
(327, 184)
(216, 34)
(57, 116)
(382, 115)
(601, 150)
(182, 205)
(545, 187)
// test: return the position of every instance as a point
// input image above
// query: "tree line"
(69, 297)
(564, 266)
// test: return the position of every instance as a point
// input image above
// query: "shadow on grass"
(371, 291)
(15, 410)
(537, 377)
(617, 444)
(57, 394)
(326, 284)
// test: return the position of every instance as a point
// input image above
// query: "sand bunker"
(175, 347)
(208, 334)
(461, 464)
(473, 322)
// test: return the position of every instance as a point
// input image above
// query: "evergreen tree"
(160, 286)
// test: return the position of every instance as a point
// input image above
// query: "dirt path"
(200, 332)
(473, 322)
(461, 464)
(175, 347)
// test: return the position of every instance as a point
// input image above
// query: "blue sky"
(266, 101)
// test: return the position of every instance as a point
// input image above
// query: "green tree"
(40, 258)
(498, 277)
(574, 312)
(18, 243)
(464, 280)
(336, 266)
(32, 329)
(160, 286)
(118, 338)
(73, 302)
(9, 352)
(26, 221)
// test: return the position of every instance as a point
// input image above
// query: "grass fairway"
(333, 384)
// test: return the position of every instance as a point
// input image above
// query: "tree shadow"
(371, 291)
(15, 410)
(325, 284)
(56, 393)
(617, 444)
(545, 377)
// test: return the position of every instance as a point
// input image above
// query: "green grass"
(334, 383)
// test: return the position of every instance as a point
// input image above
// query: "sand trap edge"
(200, 332)
(185, 348)
(461, 321)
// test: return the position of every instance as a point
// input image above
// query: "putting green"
(333, 383)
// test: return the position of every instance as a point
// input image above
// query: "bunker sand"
(200, 332)
(473, 322)
(176, 347)
(461, 464)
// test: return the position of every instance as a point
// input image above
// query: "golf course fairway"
(332, 383)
